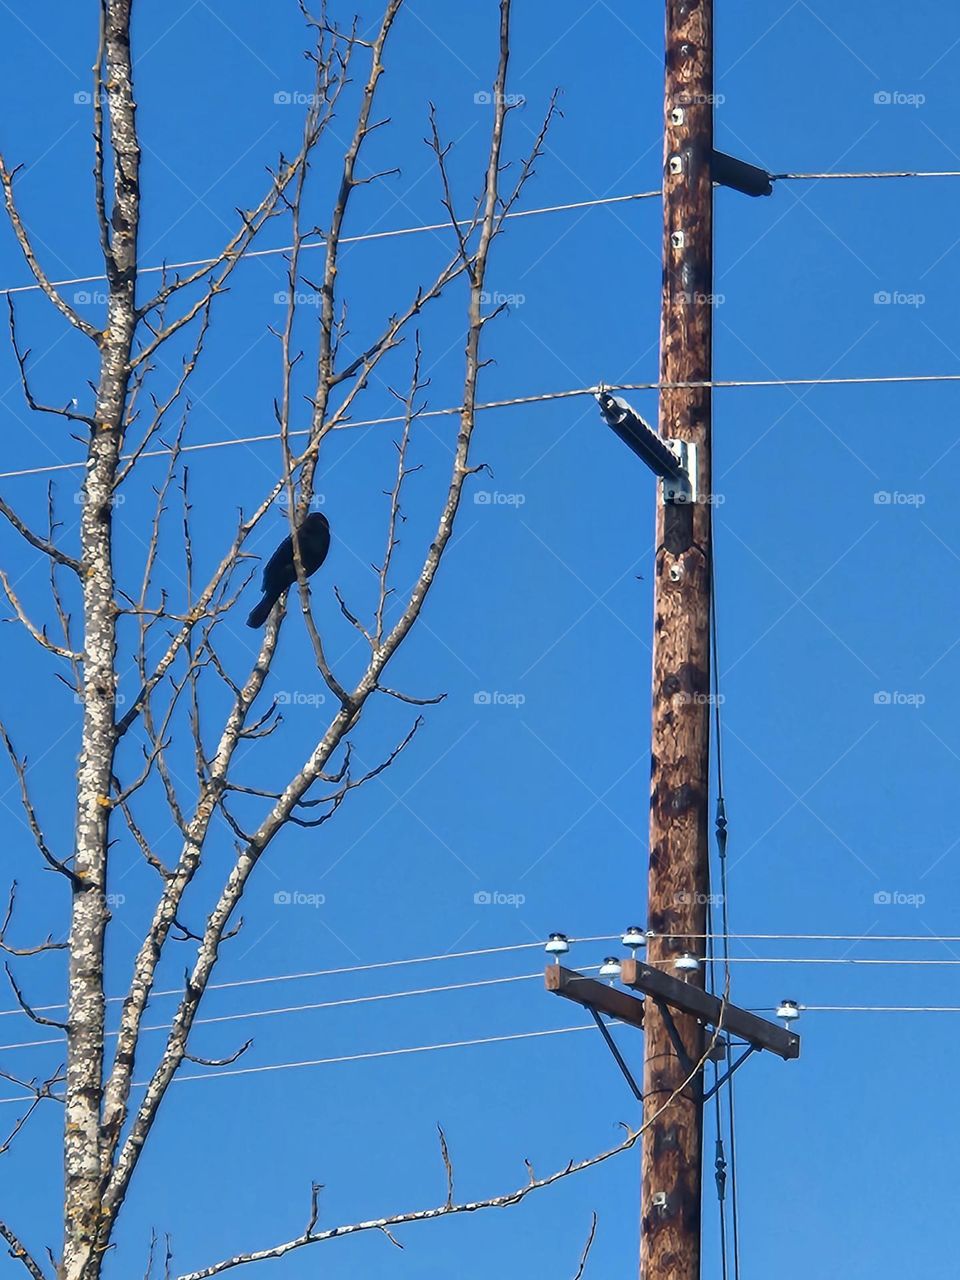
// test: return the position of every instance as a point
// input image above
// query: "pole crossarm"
(709, 1010)
(593, 995)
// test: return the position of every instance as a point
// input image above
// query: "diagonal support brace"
(612, 1045)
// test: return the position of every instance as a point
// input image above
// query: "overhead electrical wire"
(307, 974)
(721, 841)
(303, 1008)
(517, 401)
(499, 1039)
(889, 173)
(880, 1008)
(327, 973)
(418, 991)
(512, 403)
(818, 937)
(393, 232)
(351, 1057)
(364, 237)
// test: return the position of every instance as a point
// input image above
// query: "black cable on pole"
(734, 1199)
(720, 1164)
(721, 835)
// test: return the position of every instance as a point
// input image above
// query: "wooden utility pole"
(679, 864)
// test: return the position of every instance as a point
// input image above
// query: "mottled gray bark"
(85, 1035)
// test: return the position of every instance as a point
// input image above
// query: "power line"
(721, 835)
(512, 403)
(880, 1008)
(303, 1008)
(892, 173)
(812, 937)
(526, 946)
(358, 239)
(867, 1008)
(392, 233)
(388, 1053)
(351, 1057)
(853, 960)
(422, 991)
(327, 973)
(521, 1035)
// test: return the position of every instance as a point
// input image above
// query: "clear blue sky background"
(827, 597)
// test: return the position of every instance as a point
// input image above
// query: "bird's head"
(315, 521)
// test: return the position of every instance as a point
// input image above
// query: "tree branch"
(22, 357)
(47, 945)
(41, 544)
(6, 179)
(18, 1251)
(20, 769)
(30, 1012)
(39, 633)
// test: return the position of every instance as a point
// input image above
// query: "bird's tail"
(262, 612)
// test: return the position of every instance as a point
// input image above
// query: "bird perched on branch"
(280, 572)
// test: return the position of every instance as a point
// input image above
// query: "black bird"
(280, 572)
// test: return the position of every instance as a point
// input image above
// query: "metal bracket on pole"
(729, 1072)
(749, 179)
(618, 1056)
(674, 461)
(689, 1066)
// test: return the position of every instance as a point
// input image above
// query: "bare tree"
(174, 646)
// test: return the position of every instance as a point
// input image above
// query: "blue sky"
(829, 598)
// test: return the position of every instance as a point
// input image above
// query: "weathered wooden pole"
(679, 867)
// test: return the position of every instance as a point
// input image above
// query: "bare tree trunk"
(85, 1035)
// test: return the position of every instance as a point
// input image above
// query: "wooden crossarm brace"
(594, 995)
(690, 999)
